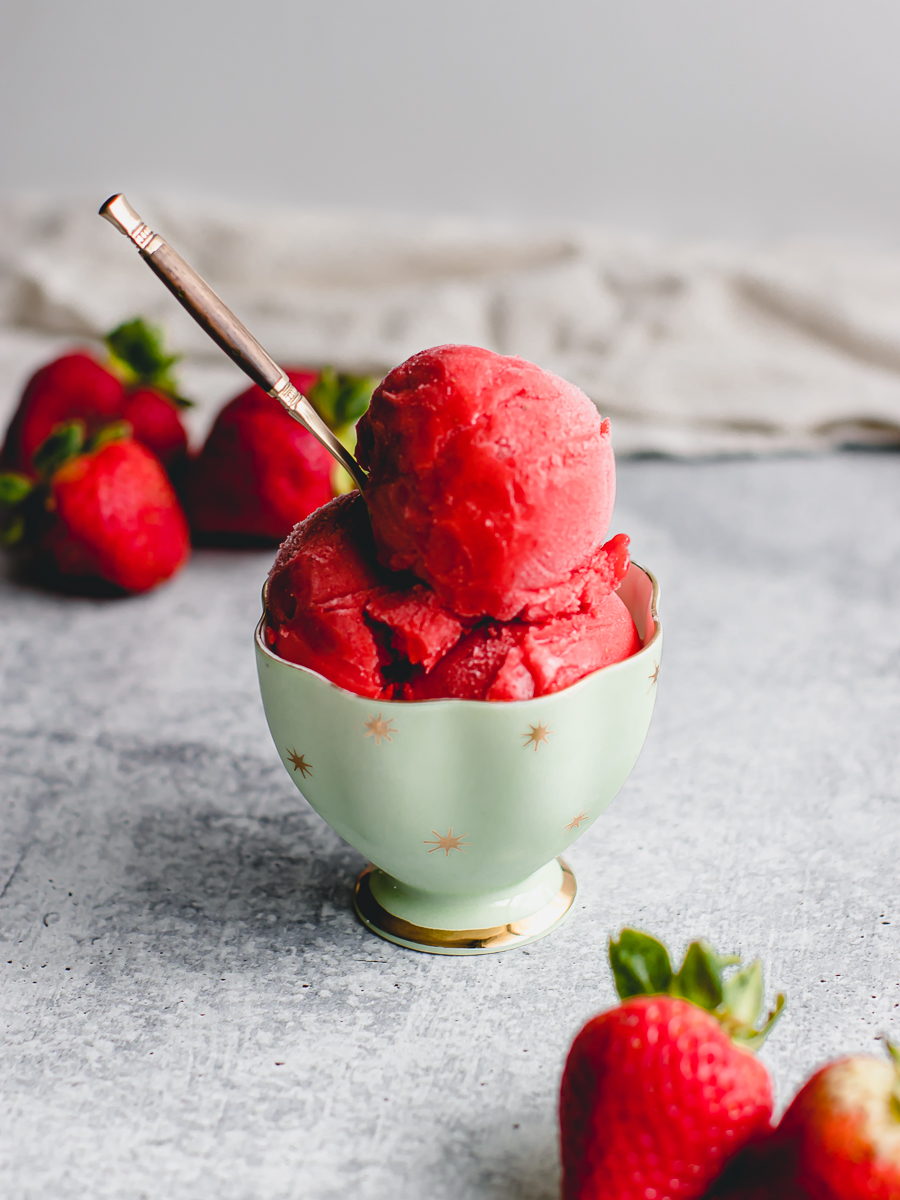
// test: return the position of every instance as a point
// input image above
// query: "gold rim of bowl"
(500, 937)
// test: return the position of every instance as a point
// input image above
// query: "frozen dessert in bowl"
(458, 668)
(465, 804)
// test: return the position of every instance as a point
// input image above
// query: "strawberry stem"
(700, 977)
(116, 431)
(894, 1051)
(137, 353)
(641, 967)
(12, 528)
(341, 399)
(640, 964)
(64, 443)
(14, 488)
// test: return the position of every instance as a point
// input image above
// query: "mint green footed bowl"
(463, 806)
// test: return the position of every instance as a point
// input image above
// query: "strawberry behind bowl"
(73, 387)
(155, 423)
(260, 472)
(98, 514)
(153, 401)
(136, 385)
(660, 1093)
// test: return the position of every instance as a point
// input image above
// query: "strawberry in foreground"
(260, 472)
(100, 509)
(138, 387)
(661, 1092)
(845, 1124)
(839, 1139)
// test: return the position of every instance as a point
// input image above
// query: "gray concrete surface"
(190, 1009)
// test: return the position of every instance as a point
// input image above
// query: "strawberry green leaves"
(341, 399)
(700, 977)
(137, 353)
(64, 443)
(17, 489)
(641, 967)
(894, 1052)
(114, 432)
(69, 439)
(742, 1001)
(19, 494)
(14, 489)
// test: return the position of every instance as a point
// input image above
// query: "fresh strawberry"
(74, 387)
(659, 1093)
(77, 387)
(155, 423)
(260, 472)
(152, 399)
(102, 509)
(844, 1127)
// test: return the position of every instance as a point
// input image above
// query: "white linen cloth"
(690, 349)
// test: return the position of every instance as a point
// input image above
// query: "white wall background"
(736, 118)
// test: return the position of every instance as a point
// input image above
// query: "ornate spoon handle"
(195, 295)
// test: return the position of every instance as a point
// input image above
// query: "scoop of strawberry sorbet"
(332, 607)
(323, 577)
(474, 567)
(490, 479)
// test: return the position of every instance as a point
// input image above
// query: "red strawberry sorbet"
(491, 480)
(475, 566)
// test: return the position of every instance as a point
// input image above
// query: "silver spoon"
(195, 295)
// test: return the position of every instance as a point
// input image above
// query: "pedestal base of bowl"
(430, 923)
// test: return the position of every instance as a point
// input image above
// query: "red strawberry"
(77, 387)
(260, 472)
(845, 1127)
(155, 423)
(103, 510)
(152, 400)
(72, 387)
(659, 1093)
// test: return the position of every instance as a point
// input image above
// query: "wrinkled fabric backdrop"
(690, 349)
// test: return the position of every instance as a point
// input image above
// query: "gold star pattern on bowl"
(299, 762)
(538, 733)
(575, 823)
(447, 842)
(378, 728)
(653, 678)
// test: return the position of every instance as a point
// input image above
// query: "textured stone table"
(190, 1009)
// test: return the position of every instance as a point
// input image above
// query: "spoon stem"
(198, 298)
